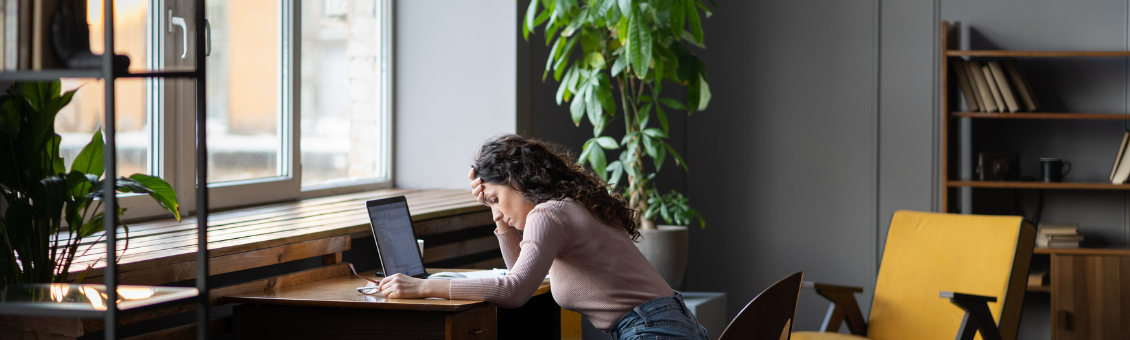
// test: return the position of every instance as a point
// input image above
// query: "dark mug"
(1053, 169)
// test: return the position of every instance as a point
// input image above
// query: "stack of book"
(1038, 278)
(1058, 235)
(996, 86)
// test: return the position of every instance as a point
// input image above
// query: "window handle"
(208, 36)
(178, 21)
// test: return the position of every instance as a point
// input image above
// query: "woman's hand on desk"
(400, 286)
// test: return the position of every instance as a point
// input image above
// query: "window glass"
(78, 121)
(244, 87)
(342, 92)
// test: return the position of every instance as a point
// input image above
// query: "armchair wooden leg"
(968, 328)
(832, 319)
(977, 316)
(843, 309)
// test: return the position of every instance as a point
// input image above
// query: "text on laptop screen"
(395, 238)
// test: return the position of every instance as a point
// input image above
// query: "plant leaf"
(704, 93)
(94, 225)
(530, 15)
(577, 107)
(694, 94)
(604, 94)
(626, 8)
(639, 44)
(549, 62)
(617, 169)
(10, 118)
(623, 29)
(649, 146)
(161, 192)
(678, 17)
(78, 184)
(130, 185)
(662, 118)
(599, 165)
(592, 106)
(644, 115)
(608, 143)
(678, 159)
(50, 194)
(696, 23)
(585, 150)
(655, 133)
(673, 104)
(57, 165)
(619, 65)
(89, 160)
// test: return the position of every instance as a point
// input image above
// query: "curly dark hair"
(543, 171)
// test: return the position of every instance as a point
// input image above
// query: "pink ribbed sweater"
(595, 268)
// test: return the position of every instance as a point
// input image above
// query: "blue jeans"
(661, 318)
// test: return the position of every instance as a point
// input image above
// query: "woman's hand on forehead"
(477, 187)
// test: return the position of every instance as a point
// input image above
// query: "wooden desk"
(333, 309)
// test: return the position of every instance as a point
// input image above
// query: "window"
(283, 123)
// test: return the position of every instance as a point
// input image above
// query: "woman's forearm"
(439, 288)
(501, 227)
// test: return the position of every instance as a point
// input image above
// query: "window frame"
(173, 153)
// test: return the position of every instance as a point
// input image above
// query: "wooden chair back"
(768, 316)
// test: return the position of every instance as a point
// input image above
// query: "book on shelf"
(1021, 84)
(996, 92)
(1118, 157)
(1062, 244)
(978, 77)
(1058, 235)
(1002, 84)
(963, 80)
(1038, 278)
(967, 91)
(1121, 170)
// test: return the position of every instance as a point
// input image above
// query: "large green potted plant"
(631, 48)
(51, 212)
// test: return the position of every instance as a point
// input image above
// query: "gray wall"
(454, 86)
(825, 120)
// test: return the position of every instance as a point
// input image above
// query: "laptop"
(395, 237)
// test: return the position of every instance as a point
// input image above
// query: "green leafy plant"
(631, 47)
(41, 194)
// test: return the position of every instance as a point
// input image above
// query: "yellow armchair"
(978, 263)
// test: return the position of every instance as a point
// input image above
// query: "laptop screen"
(396, 241)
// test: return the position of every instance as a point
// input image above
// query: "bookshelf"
(109, 71)
(1088, 286)
(951, 133)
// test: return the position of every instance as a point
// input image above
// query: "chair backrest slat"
(769, 315)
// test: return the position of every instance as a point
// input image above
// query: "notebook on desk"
(395, 237)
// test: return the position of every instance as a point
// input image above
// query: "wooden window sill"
(164, 251)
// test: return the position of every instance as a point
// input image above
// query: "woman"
(554, 217)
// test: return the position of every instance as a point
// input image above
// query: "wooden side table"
(1090, 293)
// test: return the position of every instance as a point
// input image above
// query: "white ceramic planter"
(666, 249)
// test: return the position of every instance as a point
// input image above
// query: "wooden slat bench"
(456, 230)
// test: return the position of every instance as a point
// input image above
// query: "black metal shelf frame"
(109, 74)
